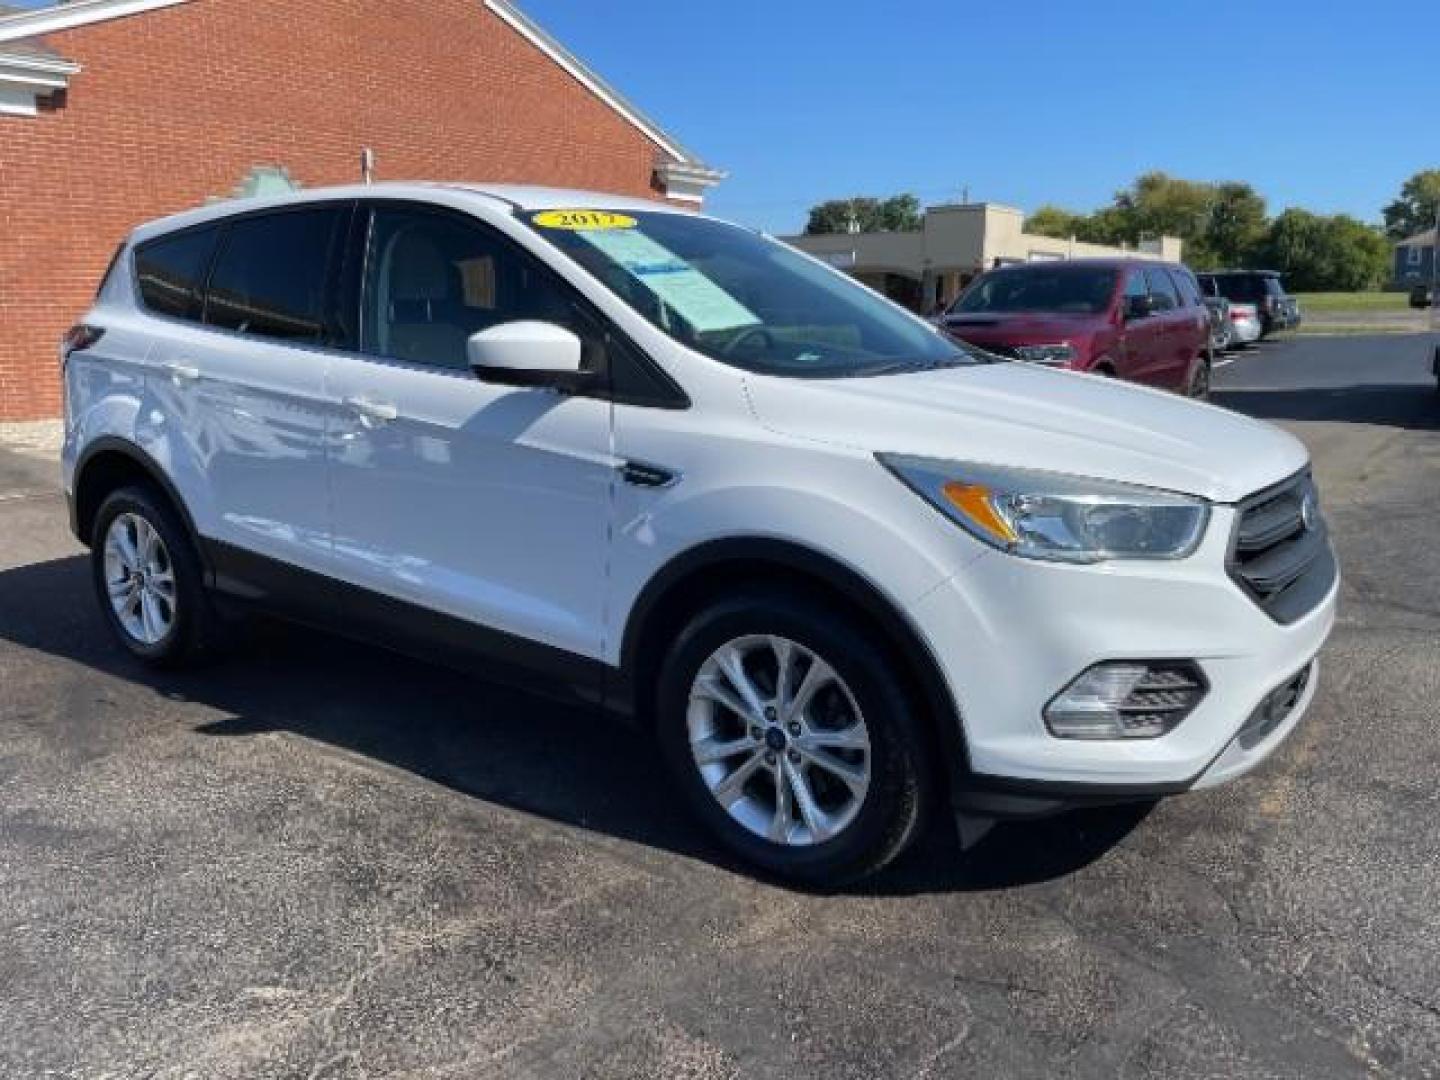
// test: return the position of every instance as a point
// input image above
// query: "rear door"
(1202, 321)
(247, 386)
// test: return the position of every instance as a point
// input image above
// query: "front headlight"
(1052, 355)
(1041, 515)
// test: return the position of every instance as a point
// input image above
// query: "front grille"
(1283, 561)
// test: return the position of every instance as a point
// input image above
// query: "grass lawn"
(1353, 301)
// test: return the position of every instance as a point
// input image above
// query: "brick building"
(116, 111)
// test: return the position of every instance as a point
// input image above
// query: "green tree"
(1318, 253)
(1414, 211)
(1054, 221)
(898, 213)
(1158, 204)
(1236, 225)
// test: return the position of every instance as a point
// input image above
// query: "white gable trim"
(584, 76)
(51, 20)
(25, 79)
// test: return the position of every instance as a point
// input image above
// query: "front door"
(486, 505)
(1142, 348)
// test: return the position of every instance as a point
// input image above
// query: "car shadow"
(564, 763)
(1414, 406)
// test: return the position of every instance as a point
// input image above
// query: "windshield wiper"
(906, 367)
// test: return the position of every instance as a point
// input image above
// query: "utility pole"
(1435, 282)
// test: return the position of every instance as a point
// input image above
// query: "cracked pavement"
(320, 860)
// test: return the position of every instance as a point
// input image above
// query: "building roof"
(25, 46)
(1420, 239)
(20, 29)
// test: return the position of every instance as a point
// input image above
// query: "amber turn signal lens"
(973, 500)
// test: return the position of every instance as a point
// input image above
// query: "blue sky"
(1325, 105)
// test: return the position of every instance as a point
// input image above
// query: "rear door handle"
(373, 412)
(183, 372)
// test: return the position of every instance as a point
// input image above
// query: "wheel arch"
(110, 463)
(713, 568)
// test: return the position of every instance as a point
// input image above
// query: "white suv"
(838, 564)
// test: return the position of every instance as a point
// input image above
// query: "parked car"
(1421, 296)
(833, 564)
(1245, 326)
(1134, 319)
(1221, 334)
(1278, 310)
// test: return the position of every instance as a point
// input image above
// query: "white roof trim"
(50, 20)
(583, 75)
(41, 65)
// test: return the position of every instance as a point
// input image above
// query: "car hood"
(1030, 327)
(1024, 416)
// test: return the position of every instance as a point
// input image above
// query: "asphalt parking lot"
(321, 860)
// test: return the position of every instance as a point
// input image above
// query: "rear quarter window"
(170, 271)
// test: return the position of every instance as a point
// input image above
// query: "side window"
(433, 279)
(171, 270)
(271, 275)
(1162, 289)
(1135, 284)
(1189, 290)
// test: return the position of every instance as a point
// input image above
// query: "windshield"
(745, 299)
(1059, 290)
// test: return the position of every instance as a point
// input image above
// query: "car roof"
(503, 197)
(1243, 273)
(1100, 262)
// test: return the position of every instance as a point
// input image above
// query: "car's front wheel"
(1199, 387)
(792, 739)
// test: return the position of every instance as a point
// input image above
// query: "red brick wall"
(177, 105)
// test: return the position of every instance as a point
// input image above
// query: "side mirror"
(1139, 307)
(527, 354)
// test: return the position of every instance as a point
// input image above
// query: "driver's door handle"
(372, 412)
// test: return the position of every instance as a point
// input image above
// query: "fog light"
(1125, 699)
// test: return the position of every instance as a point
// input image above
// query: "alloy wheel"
(140, 579)
(779, 740)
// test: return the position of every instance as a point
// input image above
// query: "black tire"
(195, 629)
(890, 815)
(1199, 387)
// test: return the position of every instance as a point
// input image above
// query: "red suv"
(1138, 320)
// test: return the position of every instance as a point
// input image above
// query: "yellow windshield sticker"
(583, 220)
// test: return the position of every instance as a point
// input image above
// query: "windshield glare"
(1058, 290)
(742, 298)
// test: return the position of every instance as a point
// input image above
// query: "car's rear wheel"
(792, 739)
(149, 580)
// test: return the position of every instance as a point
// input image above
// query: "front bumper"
(1009, 633)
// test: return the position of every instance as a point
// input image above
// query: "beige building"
(955, 243)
